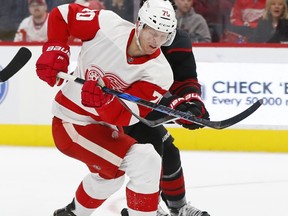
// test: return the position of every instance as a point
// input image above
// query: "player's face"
(151, 39)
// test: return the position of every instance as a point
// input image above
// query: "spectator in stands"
(276, 10)
(281, 34)
(245, 15)
(34, 27)
(216, 13)
(191, 22)
(124, 8)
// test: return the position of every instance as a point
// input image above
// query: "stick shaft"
(172, 112)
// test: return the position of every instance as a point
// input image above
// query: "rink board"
(204, 139)
(231, 81)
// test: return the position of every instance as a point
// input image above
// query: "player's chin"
(149, 50)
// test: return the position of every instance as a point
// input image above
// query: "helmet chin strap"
(139, 28)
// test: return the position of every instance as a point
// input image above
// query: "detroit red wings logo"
(94, 72)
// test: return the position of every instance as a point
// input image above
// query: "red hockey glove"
(93, 96)
(54, 58)
(190, 103)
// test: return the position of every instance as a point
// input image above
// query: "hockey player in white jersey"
(87, 123)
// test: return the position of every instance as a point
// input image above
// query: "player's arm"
(111, 109)
(186, 89)
(181, 57)
(72, 20)
(64, 21)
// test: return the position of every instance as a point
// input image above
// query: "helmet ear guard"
(170, 38)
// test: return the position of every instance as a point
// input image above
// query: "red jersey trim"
(61, 99)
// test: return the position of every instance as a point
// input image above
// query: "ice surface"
(36, 181)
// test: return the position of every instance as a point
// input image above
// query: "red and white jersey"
(29, 32)
(247, 11)
(105, 38)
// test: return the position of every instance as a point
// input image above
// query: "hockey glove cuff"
(55, 58)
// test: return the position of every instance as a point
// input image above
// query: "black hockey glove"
(190, 103)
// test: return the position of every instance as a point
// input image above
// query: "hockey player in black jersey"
(181, 58)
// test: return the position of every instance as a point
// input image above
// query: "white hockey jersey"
(105, 38)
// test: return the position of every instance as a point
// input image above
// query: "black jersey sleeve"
(181, 58)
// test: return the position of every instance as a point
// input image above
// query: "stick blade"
(241, 116)
(20, 59)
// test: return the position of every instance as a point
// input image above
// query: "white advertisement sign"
(229, 88)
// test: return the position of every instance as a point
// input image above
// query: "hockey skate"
(124, 212)
(66, 211)
(160, 212)
(187, 210)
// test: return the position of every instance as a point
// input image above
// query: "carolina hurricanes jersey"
(106, 38)
(28, 32)
(181, 58)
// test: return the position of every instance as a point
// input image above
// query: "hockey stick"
(20, 59)
(157, 122)
(224, 123)
(150, 123)
(172, 112)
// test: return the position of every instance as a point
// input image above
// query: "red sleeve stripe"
(179, 50)
(178, 86)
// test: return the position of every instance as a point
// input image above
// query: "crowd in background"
(236, 21)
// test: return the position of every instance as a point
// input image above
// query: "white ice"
(36, 181)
